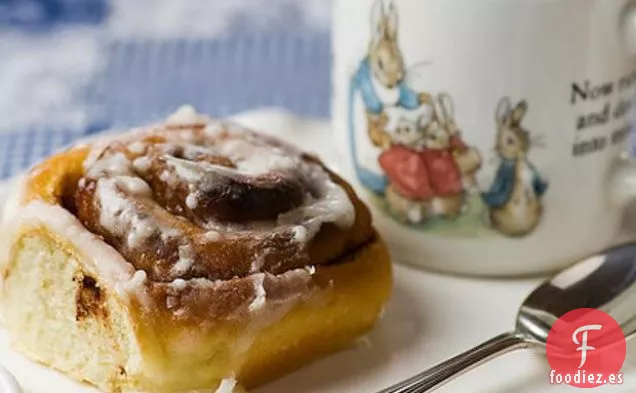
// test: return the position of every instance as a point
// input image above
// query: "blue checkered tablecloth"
(69, 68)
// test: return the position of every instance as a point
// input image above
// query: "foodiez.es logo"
(586, 348)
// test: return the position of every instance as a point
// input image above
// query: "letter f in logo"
(583, 343)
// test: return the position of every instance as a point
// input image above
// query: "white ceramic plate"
(429, 318)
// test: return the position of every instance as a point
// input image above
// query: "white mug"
(486, 133)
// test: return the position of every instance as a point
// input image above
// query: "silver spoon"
(606, 281)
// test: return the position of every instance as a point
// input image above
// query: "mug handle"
(622, 187)
(622, 191)
(628, 27)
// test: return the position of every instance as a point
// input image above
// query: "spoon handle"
(443, 373)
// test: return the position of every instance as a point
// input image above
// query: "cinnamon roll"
(188, 255)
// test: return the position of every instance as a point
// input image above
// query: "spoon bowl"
(606, 282)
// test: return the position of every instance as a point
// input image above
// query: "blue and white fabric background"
(70, 68)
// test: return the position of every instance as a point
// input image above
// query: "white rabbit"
(397, 116)
(408, 132)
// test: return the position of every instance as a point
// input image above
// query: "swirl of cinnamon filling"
(216, 201)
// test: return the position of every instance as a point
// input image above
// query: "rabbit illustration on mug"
(427, 166)
(468, 158)
(408, 193)
(441, 141)
(514, 199)
(380, 77)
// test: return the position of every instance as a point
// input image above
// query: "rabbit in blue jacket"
(514, 199)
(380, 77)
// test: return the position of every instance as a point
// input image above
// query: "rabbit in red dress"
(409, 191)
(429, 167)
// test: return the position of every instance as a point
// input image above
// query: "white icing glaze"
(99, 143)
(136, 147)
(142, 164)
(191, 151)
(300, 233)
(188, 171)
(10, 210)
(258, 262)
(252, 155)
(255, 159)
(133, 186)
(185, 262)
(96, 149)
(170, 233)
(186, 115)
(333, 204)
(187, 135)
(171, 302)
(212, 236)
(213, 129)
(134, 285)
(262, 163)
(166, 177)
(179, 284)
(12, 206)
(191, 201)
(310, 269)
(101, 258)
(143, 229)
(119, 216)
(261, 296)
(227, 386)
(115, 164)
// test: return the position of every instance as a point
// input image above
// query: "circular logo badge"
(586, 348)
